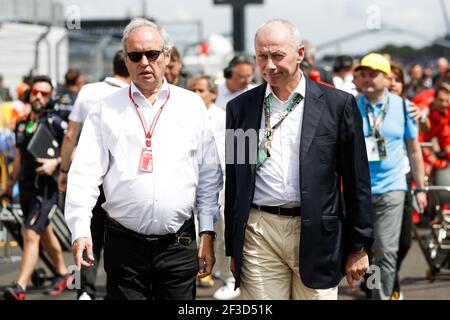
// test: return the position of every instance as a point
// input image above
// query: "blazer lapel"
(253, 114)
(314, 105)
(254, 111)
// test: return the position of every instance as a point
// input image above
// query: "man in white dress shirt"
(238, 79)
(206, 88)
(150, 146)
(89, 95)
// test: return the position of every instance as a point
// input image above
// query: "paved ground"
(413, 281)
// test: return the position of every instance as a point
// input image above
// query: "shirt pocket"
(131, 140)
(184, 141)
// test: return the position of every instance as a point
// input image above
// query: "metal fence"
(49, 12)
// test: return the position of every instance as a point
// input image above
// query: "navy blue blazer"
(332, 158)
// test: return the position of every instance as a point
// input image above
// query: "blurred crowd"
(425, 88)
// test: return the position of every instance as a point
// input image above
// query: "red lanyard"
(148, 132)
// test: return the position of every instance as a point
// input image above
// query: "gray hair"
(140, 22)
(210, 81)
(295, 34)
(310, 49)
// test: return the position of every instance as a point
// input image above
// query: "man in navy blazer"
(298, 210)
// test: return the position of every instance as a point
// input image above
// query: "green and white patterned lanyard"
(375, 124)
(266, 144)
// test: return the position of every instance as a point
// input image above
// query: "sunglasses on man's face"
(151, 55)
(34, 92)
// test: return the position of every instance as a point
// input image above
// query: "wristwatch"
(211, 233)
(418, 190)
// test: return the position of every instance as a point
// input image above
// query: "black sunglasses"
(151, 55)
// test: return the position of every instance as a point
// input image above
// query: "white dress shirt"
(186, 170)
(345, 84)
(217, 122)
(224, 95)
(90, 94)
(278, 179)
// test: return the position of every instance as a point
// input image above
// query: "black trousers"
(36, 204)
(138, 269)
(88, 275)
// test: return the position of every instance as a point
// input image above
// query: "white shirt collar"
(162, 94)
(227, 91)
(301, 88)
(115, 82)
(212, 107)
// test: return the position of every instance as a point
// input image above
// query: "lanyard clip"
(148, 144)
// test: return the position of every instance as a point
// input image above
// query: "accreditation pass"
(376, 149)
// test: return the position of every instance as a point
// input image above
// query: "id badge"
(146, 162)
(382, 149)
(263, 153)
(372, 149)
(262, 156)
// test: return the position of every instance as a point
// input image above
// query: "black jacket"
(332, 154)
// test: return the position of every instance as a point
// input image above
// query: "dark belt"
(183, 236)
(291, 212)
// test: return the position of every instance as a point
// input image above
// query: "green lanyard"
(30, 127)
(266, 143)
(375, 124)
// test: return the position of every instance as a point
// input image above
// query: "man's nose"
(144, 61)
(247, 79)
(270, 64)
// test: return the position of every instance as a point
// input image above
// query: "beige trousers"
(270, 267)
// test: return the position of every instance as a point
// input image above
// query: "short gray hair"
(295, 34)
(310, 49)
(140, 22)
(210, 82)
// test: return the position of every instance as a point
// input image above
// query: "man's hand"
(421, 198)
(206, 257)
(62, 181)
(48, 166)
(80, 246)
(415, 112)
(356, 266)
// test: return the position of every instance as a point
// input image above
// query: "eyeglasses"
(151, 55)
(34, 92)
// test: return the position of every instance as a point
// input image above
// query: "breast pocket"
(184, 141)
(327, 148)
(131, 140)
(330, 223)
(326, 139)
